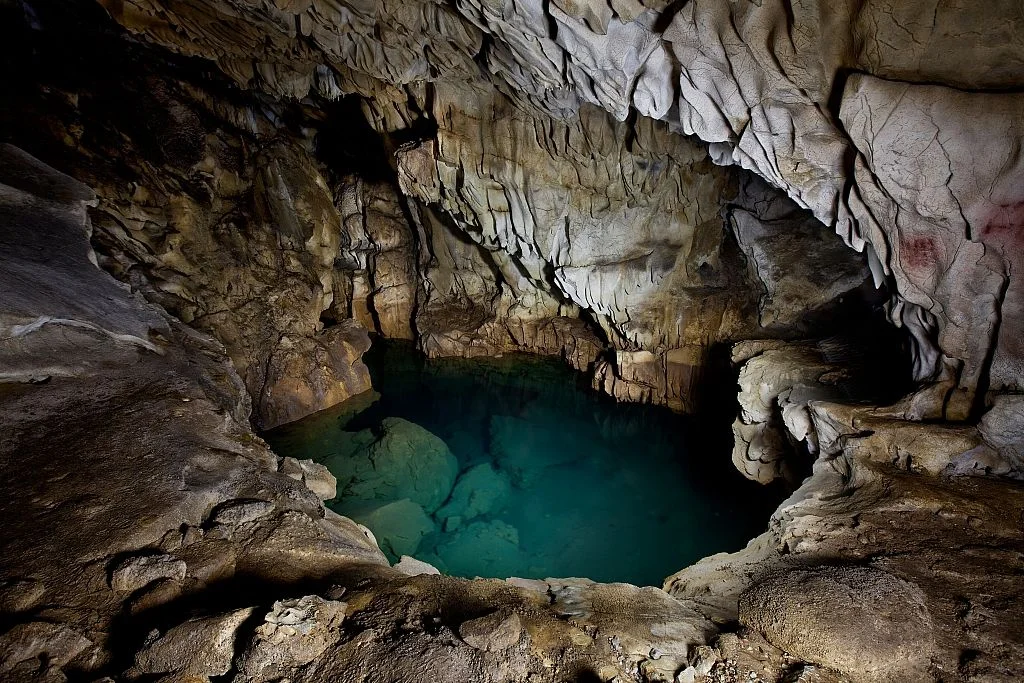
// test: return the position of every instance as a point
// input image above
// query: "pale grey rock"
(314, 475)
(703, 659)
(951, 184)
(687, 675)
(492, 633)
(137, 572)
(293, 634)
(763, 83)
(202, 647)
(776, 382)
(410, 566)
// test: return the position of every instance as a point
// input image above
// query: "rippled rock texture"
(827, 102)
(423, 200)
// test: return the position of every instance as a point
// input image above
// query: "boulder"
(493, 546)
(480, 490)
(398, 527)
(405, 461)
(202, 647)
(495, 632)
(862, 621)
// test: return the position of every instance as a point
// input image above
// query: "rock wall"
(821, 100)
(537, 218)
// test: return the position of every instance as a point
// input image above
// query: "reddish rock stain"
(1004, 226)
(918, 253)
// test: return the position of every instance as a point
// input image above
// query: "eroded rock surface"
(157, 422)
(765, 84)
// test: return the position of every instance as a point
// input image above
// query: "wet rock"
(200, 647)
(859, 620)
(293, 634)
(133, 573)
(494, 632)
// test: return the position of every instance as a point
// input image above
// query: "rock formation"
(208, 206)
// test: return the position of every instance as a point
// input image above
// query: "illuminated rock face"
(823, 101)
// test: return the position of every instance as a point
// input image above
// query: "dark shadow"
(587, 676)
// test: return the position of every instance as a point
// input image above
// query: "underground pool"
(514, 467)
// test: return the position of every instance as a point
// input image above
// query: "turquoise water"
(513, 467)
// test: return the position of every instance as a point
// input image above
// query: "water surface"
(514, 467)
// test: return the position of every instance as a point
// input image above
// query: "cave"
(456, 341)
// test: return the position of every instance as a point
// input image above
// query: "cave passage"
(514, 467)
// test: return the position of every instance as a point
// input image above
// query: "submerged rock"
(481, 547)
(398, 527)
(525, 447)
(480, 490)
(405, 461)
